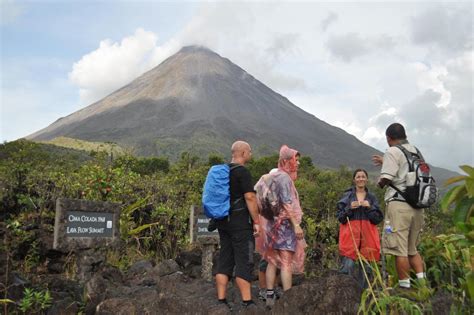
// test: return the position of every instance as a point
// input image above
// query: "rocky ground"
(170, 287)
(166, 288)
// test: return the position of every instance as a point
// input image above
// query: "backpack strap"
(407, 153)
(401, 193)
(419, 154)
(231, 168)
(238, 200)
(410, 168)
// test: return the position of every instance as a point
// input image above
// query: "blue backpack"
(216, 192)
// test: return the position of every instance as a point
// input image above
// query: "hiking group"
(267, 217)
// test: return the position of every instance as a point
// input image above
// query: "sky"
(356, 65)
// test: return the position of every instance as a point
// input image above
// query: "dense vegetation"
(156, 195)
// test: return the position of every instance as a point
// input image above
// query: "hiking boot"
(262, 294)
(212, 226)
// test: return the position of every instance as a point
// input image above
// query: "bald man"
(237, 232)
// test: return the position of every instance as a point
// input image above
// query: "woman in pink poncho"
(281, 242)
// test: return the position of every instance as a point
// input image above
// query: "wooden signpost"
(86, 228)
(198, 223)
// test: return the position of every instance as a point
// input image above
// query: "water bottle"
(388, 227)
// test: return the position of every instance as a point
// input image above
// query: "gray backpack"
(421, 191)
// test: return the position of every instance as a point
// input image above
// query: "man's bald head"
(241, 152)
(239, 146)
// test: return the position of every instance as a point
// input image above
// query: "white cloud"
(429, 78)
(374, 135)
(115, 64)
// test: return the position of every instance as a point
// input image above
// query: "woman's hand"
(299, 232)
(365, 203)
(355, 204)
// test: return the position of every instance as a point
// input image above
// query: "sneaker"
(262, 294)
(278, 292)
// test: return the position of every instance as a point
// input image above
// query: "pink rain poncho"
(277, 235)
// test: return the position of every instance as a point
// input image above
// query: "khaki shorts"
(407, 224)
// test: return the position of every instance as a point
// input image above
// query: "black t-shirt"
(240, 183)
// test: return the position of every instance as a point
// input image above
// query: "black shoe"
(212, 225)
(229, 305)
(250, 305)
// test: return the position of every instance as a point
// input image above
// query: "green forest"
(155, 196)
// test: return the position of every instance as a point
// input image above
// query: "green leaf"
(470, 284)
(454, 195)
(468, 169)
(455, 179)
(141, 228)
(470, 187)
(444, 202)
(470, 236)
(462, 209)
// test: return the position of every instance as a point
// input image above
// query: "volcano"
(200, 102)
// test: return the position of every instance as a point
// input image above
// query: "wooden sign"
(82, 224)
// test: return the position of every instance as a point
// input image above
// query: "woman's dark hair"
(359, 170)
(396, 131)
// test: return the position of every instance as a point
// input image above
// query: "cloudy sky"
(356, 65)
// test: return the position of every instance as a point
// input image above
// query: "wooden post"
(206, 261)
(198, 224)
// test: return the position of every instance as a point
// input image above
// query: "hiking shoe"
(248, 305)
(278, 292)
(262, 294)
(229, 305)
(212, 226)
